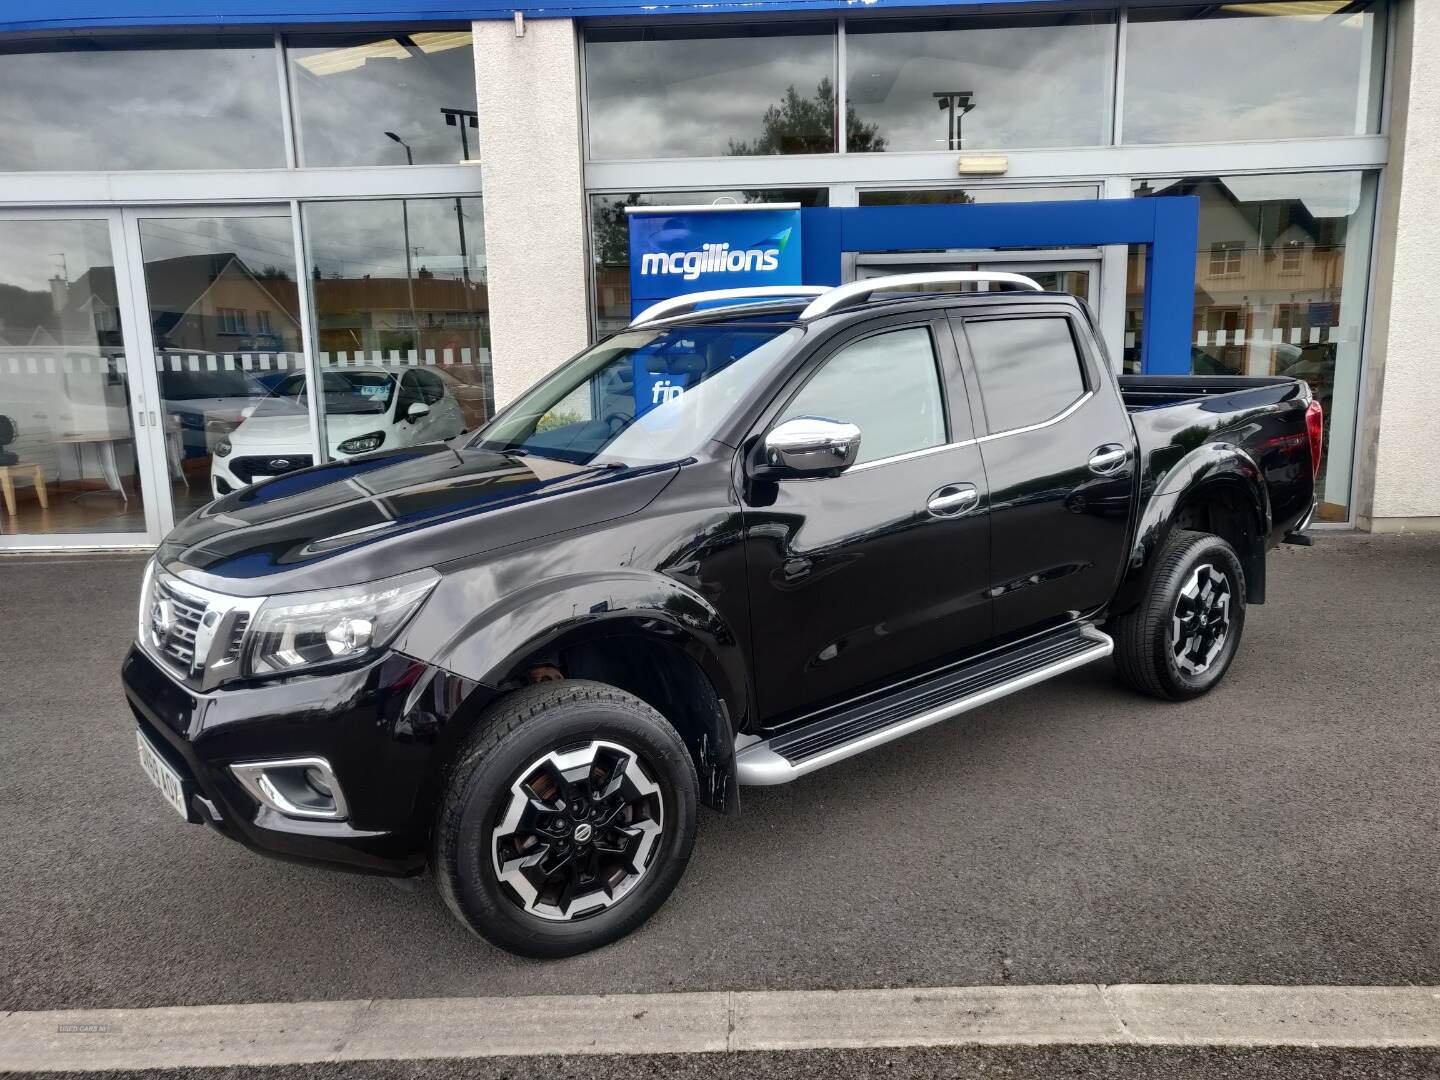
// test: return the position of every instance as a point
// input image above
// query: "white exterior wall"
(535, 246)
(1401, 454)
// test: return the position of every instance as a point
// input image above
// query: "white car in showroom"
(365, 409)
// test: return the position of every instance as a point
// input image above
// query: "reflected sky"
(693, 94)
(1036, 83)
(92, 107)
(356, 239)
(349, 91)
(1250, 76)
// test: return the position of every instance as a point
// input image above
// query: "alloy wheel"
(1201, 620)
(578, 830)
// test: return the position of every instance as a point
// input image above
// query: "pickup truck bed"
(1141, 392)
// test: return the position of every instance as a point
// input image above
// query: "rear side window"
(1029, 369)
(886, 384)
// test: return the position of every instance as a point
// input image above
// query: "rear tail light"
(1315, 428)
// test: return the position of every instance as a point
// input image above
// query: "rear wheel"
(568, 819)
(1179, 642)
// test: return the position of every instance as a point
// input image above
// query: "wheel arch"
(641, 632)
(1217, 488)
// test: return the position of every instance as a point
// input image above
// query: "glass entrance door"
(1055, 272)
(219, 293)
(76, 453)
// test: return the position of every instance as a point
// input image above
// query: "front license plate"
(166, 779)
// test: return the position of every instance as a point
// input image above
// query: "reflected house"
(1268, 281)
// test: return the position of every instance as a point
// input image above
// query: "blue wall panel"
(82, 14)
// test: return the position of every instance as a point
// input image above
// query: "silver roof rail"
(841, 295)
(676, 305)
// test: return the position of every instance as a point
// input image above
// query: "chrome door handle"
(1108, 459)
(952, 499)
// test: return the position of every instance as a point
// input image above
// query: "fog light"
(296, 787)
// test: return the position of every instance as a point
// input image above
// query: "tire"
(616, 864)
(1178, 660)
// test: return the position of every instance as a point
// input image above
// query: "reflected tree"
(806, 125)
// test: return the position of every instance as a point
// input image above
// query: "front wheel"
(567, 820)
(1179, 642)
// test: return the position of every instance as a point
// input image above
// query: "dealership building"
(210, 203)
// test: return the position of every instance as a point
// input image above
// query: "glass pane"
(67, 445)
(1253, 71)
(979, 83)
(225, 317)
(610, 239)
(1280, 285)
(978, 193)
(658, 92)
(1028, 369)
(387, 99)
(107, 104)
(402, 321)
(888, 386)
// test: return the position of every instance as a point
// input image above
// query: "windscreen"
(346, 393)
(641, 397)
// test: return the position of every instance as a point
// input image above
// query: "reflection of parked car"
(207, 401)
(365, 409)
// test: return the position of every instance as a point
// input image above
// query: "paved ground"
(989, 1063)
(1285, 829)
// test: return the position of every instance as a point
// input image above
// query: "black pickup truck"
(723, 547)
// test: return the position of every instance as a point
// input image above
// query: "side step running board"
(859, 727)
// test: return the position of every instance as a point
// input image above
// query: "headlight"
(147, 599)
(223, 448)
(302, 630)
(362, 444)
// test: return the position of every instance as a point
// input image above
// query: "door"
(219, 317)
(882, 570)
(1076, 272)
(1060, 456)
(78, 465)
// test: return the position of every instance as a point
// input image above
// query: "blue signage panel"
(685, 252)
(80, 14)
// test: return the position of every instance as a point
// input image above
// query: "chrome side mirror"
(811, 446)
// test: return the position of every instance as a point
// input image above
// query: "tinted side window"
(888, 386)
(1029, 369)
(432, 387)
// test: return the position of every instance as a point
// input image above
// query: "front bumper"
(385, 728)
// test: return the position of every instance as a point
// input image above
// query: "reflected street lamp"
(405, 219)
(957, 103)
(462, 119)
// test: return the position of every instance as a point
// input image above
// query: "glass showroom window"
(661, 92)
(402, 322)
(1253, 71)
(1280, 288)
(86, 103)
(67, 447)
(386, 99)
(979, 83)
(610, 239)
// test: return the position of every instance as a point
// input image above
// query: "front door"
(218, 293)
(882, 570)
(1076, 273)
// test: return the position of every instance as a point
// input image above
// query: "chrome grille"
(175, 631)
(196, 633)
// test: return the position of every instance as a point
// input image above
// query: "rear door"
(1059, 453)
(860, 578)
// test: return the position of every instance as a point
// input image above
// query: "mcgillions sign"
(695, 249)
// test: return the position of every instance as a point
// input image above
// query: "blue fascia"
(23, 15)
